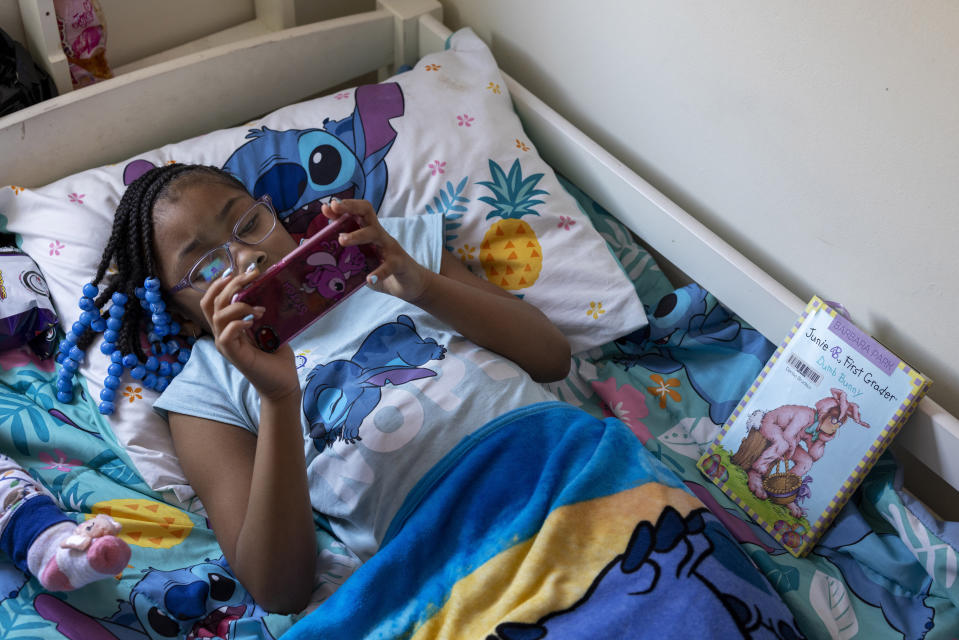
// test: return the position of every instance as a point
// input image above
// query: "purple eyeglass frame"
(264, 200)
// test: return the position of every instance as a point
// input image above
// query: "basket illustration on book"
(783, 486)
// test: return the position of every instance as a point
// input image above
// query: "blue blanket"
(553, 523)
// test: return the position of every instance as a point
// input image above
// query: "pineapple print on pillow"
(510, 253)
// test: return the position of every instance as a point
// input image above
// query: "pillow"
(439, 139)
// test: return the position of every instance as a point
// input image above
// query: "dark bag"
(22, 82)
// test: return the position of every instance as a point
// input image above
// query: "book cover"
(816, 419)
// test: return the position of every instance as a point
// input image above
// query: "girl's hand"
(399, 275)
(272, 374)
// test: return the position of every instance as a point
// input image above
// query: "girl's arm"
(254, 488)
(255, 493)
(475, 308)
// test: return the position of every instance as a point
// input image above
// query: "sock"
(67, 556)
(41, 540)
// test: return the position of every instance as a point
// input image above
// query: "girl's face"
(201, 216)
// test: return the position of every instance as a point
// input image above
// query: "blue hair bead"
(164, 368)
(71, 338)
(87, 317)
(162, 384)
(111, 336)
(86, 303)
(150, 380)
(111, 382)
(115, 369)
(114, 323)
(99, 325)
(117, 311)
(64, 384)
(152, 295)
(172, 346)
(78, 328)
(183, 356)
(76, 353)
(64, 396)
(61, 356)
(152, 363)
(174, 328)
(90, 290)
(152, 284)
(119, 299)
(130, 360)
(138, 372)
(107, 395)
(116, 357)
(108, 348)
(70, 364)
(106, 408)
(175, 368)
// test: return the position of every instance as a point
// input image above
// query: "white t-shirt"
(388, 392)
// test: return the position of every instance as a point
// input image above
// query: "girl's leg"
(42, 541)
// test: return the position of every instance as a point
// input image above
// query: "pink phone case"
(307, 283)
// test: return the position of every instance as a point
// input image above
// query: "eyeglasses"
(252, 228)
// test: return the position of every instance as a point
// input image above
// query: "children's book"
(816, 419)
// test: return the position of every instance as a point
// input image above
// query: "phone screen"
(307, 283)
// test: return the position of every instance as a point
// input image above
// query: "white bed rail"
(931, 435)
(163, 103)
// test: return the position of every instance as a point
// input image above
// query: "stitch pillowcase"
(439, 139)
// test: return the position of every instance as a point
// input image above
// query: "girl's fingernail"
(251, 267)
(342, 238)
(228, 272)
(374, 279)
(259, 311)
(234, 298)
(248, 318)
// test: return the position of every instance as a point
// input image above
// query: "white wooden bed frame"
(231, 83)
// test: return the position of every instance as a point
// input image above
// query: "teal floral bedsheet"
(880, 572)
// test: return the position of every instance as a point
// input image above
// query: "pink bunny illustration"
(784, 428)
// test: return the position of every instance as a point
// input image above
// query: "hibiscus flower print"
(55, 247)
(60, 463)
(465, 120)
(77, 197)
(664, 388)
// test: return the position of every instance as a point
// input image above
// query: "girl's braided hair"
(131, 245)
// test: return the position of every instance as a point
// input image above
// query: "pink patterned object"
(83, 36)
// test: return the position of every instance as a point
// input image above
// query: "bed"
(886, 568)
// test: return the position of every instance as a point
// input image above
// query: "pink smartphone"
(307, 283)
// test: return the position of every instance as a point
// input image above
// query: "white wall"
(819, 138)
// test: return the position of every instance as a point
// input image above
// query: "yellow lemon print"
(147, 523)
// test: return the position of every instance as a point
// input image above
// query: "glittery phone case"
(307, 283)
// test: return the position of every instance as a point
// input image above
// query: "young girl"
(351, 415)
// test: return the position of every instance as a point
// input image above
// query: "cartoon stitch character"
(683, 332)
(783, 429)
(300, 169)
(340, 394)
(204, 600)
(663, 569)
(331, 273)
